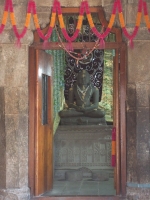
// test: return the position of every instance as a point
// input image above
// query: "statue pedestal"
(82, 121)
(82, 146)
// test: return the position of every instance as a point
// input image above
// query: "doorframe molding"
(119, 103)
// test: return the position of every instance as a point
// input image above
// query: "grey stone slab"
(12, 140)
(143, 126)
(139, 62)
(16, 193)
(142, 95)
(14, 63)
(89, 185)
(2, 77)
(16, 100)
(3, 175)
(59, 183)
(23, 103)
(143, 168)
(143, 150)
(2, 140)
(8, 37)
(54, 192)
(12, 174)
(68, 3)
(138, 193)
(12, 100)
(23, 175)
(70, 193)
(143, 33)
(131, 96)
(131, 146)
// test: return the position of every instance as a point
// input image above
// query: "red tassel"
(131, 44)
(6, 8)
(114, 7)
(87, 7)
(69, 46)
(113, 160)
(140, 6)
(113, 153)
(18, 43)
(102, 43)
(2, 28)
(114, 134)
(45, 43)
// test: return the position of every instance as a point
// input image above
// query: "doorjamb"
(120, 106)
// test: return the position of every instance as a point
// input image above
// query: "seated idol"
(80, 99)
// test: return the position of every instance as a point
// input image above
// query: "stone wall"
(14, 109)
(138, 110)
(14, 101)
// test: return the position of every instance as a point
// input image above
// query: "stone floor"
(84, 187)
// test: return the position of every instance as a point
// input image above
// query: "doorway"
(119, 108)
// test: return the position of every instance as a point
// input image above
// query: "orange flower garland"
(84, 7)
(113, 148)
(146, 17)
(5, 16)
(13, 21)
(137, 24)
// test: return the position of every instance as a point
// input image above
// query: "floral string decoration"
(101, 36)
(79, 57)
(62, 25)
(13, 21)
(51, 25)
(5, 16)
(138, 21)
(113, 148)
(146, 17)
(84, 7)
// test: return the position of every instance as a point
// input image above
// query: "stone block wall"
(14, 126)
(14, 109)
(14, 101)
(138, 110)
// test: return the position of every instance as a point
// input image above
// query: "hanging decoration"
(13, 21)
(84, 8)
(137, 24)
(113, 147)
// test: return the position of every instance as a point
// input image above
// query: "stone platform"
(80, 146)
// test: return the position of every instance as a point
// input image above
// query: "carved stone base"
(83, 146)
(82, 121)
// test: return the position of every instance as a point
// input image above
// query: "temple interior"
(82, 151)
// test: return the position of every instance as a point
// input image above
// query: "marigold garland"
(5, 16)
(137, 24)
(84, 7)
(146, 17)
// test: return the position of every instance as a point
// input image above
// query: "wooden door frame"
(119, 104)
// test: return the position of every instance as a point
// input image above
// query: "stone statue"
(80, 95)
